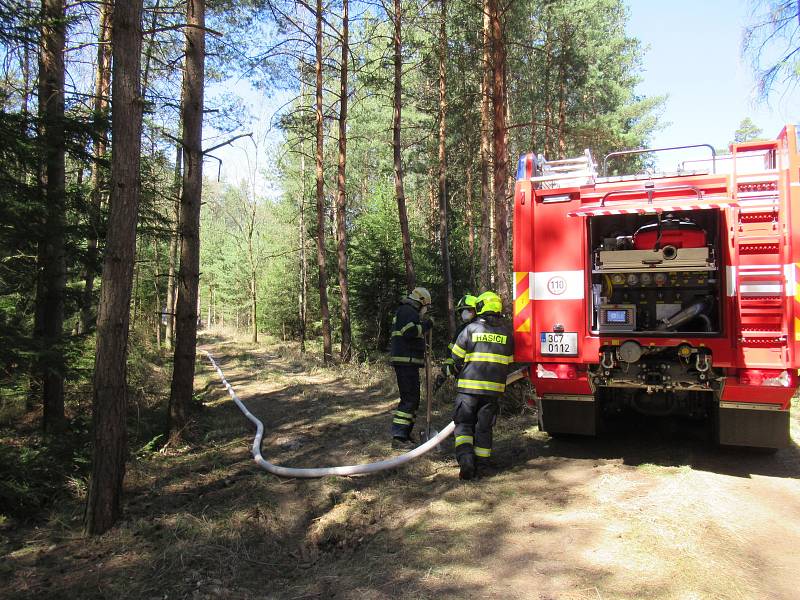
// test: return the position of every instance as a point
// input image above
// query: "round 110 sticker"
(557, 285)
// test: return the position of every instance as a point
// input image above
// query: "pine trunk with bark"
(470, 220)
(102, 80)
(182, 388)
(484, 279)
(110, 398)
(169, 331)
(157, 291)
(443, 229)
(301, 234)
(341, 197)
(397, 148)
(327, 353)
(500, 150)
(52, 265)
(254, 305)
(562, 93)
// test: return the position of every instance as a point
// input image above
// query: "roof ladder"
(758, 244)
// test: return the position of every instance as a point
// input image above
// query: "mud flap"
(757, 425)
(575, 414)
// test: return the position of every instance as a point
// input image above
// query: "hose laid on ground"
(325, 471)
(361, 469)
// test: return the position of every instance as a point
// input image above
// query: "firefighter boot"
(466, 462)
(400, 443)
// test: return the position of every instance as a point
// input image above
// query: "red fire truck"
(665, 293)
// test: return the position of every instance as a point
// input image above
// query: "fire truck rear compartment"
(655, 275)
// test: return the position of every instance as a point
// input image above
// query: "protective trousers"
(474, 418)
(405, 414)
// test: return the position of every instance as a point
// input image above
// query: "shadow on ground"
(206, 522)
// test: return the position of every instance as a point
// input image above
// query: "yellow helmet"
(467, 301)
(489, 302)
(421, 295)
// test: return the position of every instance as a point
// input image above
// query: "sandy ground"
(654, 511)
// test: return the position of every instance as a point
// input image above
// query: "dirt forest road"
(648, 514)
(652, 512)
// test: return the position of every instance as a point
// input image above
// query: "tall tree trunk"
(302, 237)
(157, 291)
(26, 70)
(443, 229)
(189, 272)
(253, 305)
(562, 93)
(53, 266)
(323, 275)
(102, 80)
(169, 335)
(486, 124)
(341, 198)
(500, 159)
(110, 399)
(151, 42)
(548, 57)
(253, 262)
(470, 219)
(411, 280)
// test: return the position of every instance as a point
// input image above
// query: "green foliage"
(747, 131)
(37, 473)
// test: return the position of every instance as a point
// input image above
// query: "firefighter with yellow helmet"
(407, 356)
(465, 309)
(481, 355)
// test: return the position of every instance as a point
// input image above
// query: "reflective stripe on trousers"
(405, 413)
(475, 417)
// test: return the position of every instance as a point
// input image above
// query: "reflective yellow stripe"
(458, 351)
(400, 413)
(451, 344)
(400, 421)
(407, 359)
(483, 452)
(476, 384)
(406, 327)
(463, 439)
(488, 357)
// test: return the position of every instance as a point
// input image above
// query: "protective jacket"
(448, 364)
(408, 342)
(482, 353)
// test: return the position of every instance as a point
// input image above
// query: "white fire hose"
(361, 469)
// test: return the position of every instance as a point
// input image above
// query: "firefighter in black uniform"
(407, 357)
(481, 354)
(465, 308)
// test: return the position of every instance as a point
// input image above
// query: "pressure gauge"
(632, 279)
(617, 278)
(646, 278)
(660, 278)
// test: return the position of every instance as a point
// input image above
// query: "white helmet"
(421, 295)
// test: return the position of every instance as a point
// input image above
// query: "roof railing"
(581, 169)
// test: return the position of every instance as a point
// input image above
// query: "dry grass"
(630, 518)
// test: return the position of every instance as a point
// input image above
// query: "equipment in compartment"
(617, 317)
(654, 274)
(669, 231)
(668, 257)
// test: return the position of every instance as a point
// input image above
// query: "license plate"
(563, 344)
